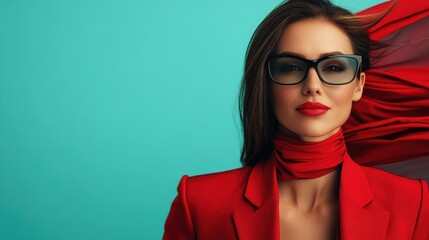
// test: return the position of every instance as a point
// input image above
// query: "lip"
(312, 109)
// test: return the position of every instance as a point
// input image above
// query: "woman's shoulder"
(392, 188)
(406, 199)
(214, 190)
(386, 180)
(229, 179)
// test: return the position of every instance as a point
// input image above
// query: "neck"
(310, 194)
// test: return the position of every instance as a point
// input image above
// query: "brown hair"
(257, 116)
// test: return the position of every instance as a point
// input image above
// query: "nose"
(312, 83)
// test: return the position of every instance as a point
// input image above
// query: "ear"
(357, 94)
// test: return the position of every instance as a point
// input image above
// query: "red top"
(243, 204)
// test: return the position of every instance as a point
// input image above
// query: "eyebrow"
(320, 55)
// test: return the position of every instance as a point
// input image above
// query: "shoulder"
(220, 178)
(221, 190)
(198, 196)
(406, 199)
(395, 189)
(392, 183)
(216, 185)
(213, 197)
(399, 194)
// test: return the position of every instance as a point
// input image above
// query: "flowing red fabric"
(297, 159)
(391, 121)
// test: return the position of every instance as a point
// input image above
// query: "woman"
(305, 66)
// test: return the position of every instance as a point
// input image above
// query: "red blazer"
(243, 204)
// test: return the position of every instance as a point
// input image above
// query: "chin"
(314, 133)
(312, 129)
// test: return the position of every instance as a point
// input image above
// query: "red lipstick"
(312, 109)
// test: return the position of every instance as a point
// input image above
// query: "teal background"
(104, 105)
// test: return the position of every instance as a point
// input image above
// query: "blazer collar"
(357, 216)
(262, 192)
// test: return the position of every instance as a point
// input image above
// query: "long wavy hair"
(257, 116)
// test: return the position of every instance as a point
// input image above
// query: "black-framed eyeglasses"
(340, 69)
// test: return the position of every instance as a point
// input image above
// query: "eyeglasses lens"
(335, 70)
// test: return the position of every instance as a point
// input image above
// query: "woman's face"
(313, 39)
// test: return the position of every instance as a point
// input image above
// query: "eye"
(333, 68)
(288, 68)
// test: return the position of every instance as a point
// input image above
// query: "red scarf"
(390, 123)
(297, 159)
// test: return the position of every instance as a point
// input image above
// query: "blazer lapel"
(262, 192)
(358, 218)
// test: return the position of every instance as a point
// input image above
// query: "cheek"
(343, 99)
(283, 99)
(284, 102)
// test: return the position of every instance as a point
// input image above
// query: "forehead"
(311, 38)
